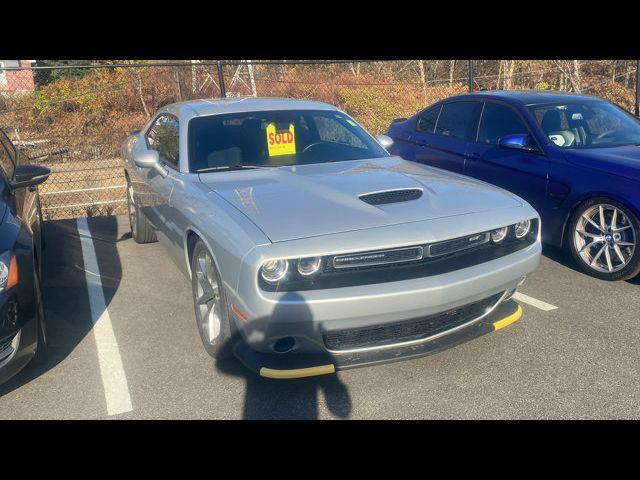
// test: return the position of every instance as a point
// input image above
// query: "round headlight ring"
(308, 266)
(499, 234)
(273, 271)
(522, 229)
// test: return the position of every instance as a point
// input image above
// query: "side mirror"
(149, 159)
(518, 141)
(29, 175)
(385, 140)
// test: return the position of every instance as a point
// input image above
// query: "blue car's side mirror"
(518, 141)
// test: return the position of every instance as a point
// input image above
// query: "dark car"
(574, 158)
(23, 330)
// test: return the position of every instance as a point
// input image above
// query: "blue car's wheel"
(604, 236)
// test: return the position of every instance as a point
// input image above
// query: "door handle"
(421, 143)
(472, 156)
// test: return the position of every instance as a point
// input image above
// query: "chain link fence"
(74, 119)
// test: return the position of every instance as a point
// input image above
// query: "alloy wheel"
(207, 297)
(605, 238)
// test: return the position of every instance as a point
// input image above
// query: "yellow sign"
(281, 143)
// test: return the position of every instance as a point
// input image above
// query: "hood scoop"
(391, 196)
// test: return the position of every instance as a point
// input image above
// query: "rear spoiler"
(396, 120)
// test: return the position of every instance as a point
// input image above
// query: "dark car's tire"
(141, 230)
(601, 248)
(210, 303)
(43, 338)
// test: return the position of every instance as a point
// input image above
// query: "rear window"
(459, 120)
(427, 120)
(277, 138)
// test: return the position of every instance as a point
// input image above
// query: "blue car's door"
(521, 172)
(443, 133)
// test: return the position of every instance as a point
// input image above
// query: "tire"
(43, 339)
(141, 230)
(600, 248)
(210, 304)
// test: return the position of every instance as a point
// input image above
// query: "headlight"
(522, 228)
(274, 270)
(309, 266)
(8, 271)
(499, 234)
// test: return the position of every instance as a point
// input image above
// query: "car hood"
(624, 161)
(294, 202)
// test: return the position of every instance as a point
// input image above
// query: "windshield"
(587, 124)
(277, 138)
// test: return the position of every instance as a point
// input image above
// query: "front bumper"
(307, 316)
(298, 366)
(21, 349)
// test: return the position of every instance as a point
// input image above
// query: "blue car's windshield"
(587, 124)
(276, 138)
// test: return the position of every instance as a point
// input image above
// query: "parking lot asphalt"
(141, 356)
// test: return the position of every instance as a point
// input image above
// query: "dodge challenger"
(310, 248)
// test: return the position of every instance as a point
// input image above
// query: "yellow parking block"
(508, 320)
(297, 372)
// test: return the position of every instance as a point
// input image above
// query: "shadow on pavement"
(267, 398)
(64, 288)
(561, 256)
(564, 257)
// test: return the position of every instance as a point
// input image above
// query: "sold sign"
(281, 143)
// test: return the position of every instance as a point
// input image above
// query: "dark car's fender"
(16, 238)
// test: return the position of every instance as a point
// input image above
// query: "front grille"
(458, 244)
(381, 257)
(408, 330)
(404, 263)
(391, 196)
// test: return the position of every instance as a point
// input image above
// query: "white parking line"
(521, 297)
(114, 380)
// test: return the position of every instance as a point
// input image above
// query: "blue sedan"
(574, 158)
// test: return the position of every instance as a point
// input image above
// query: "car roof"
(197, 108)
(530, 97)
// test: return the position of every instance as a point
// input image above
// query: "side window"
(329, 130)
(497, 121)
(427, 120)
(163, 137)
(459, 120)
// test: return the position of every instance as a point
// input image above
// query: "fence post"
(223, 94)
(470, 75)
(637, 111)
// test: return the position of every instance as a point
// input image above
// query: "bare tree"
(570, 71)
(510, 66)
(140, 94)
(423, 80)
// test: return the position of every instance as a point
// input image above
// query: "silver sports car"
(310, 248)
